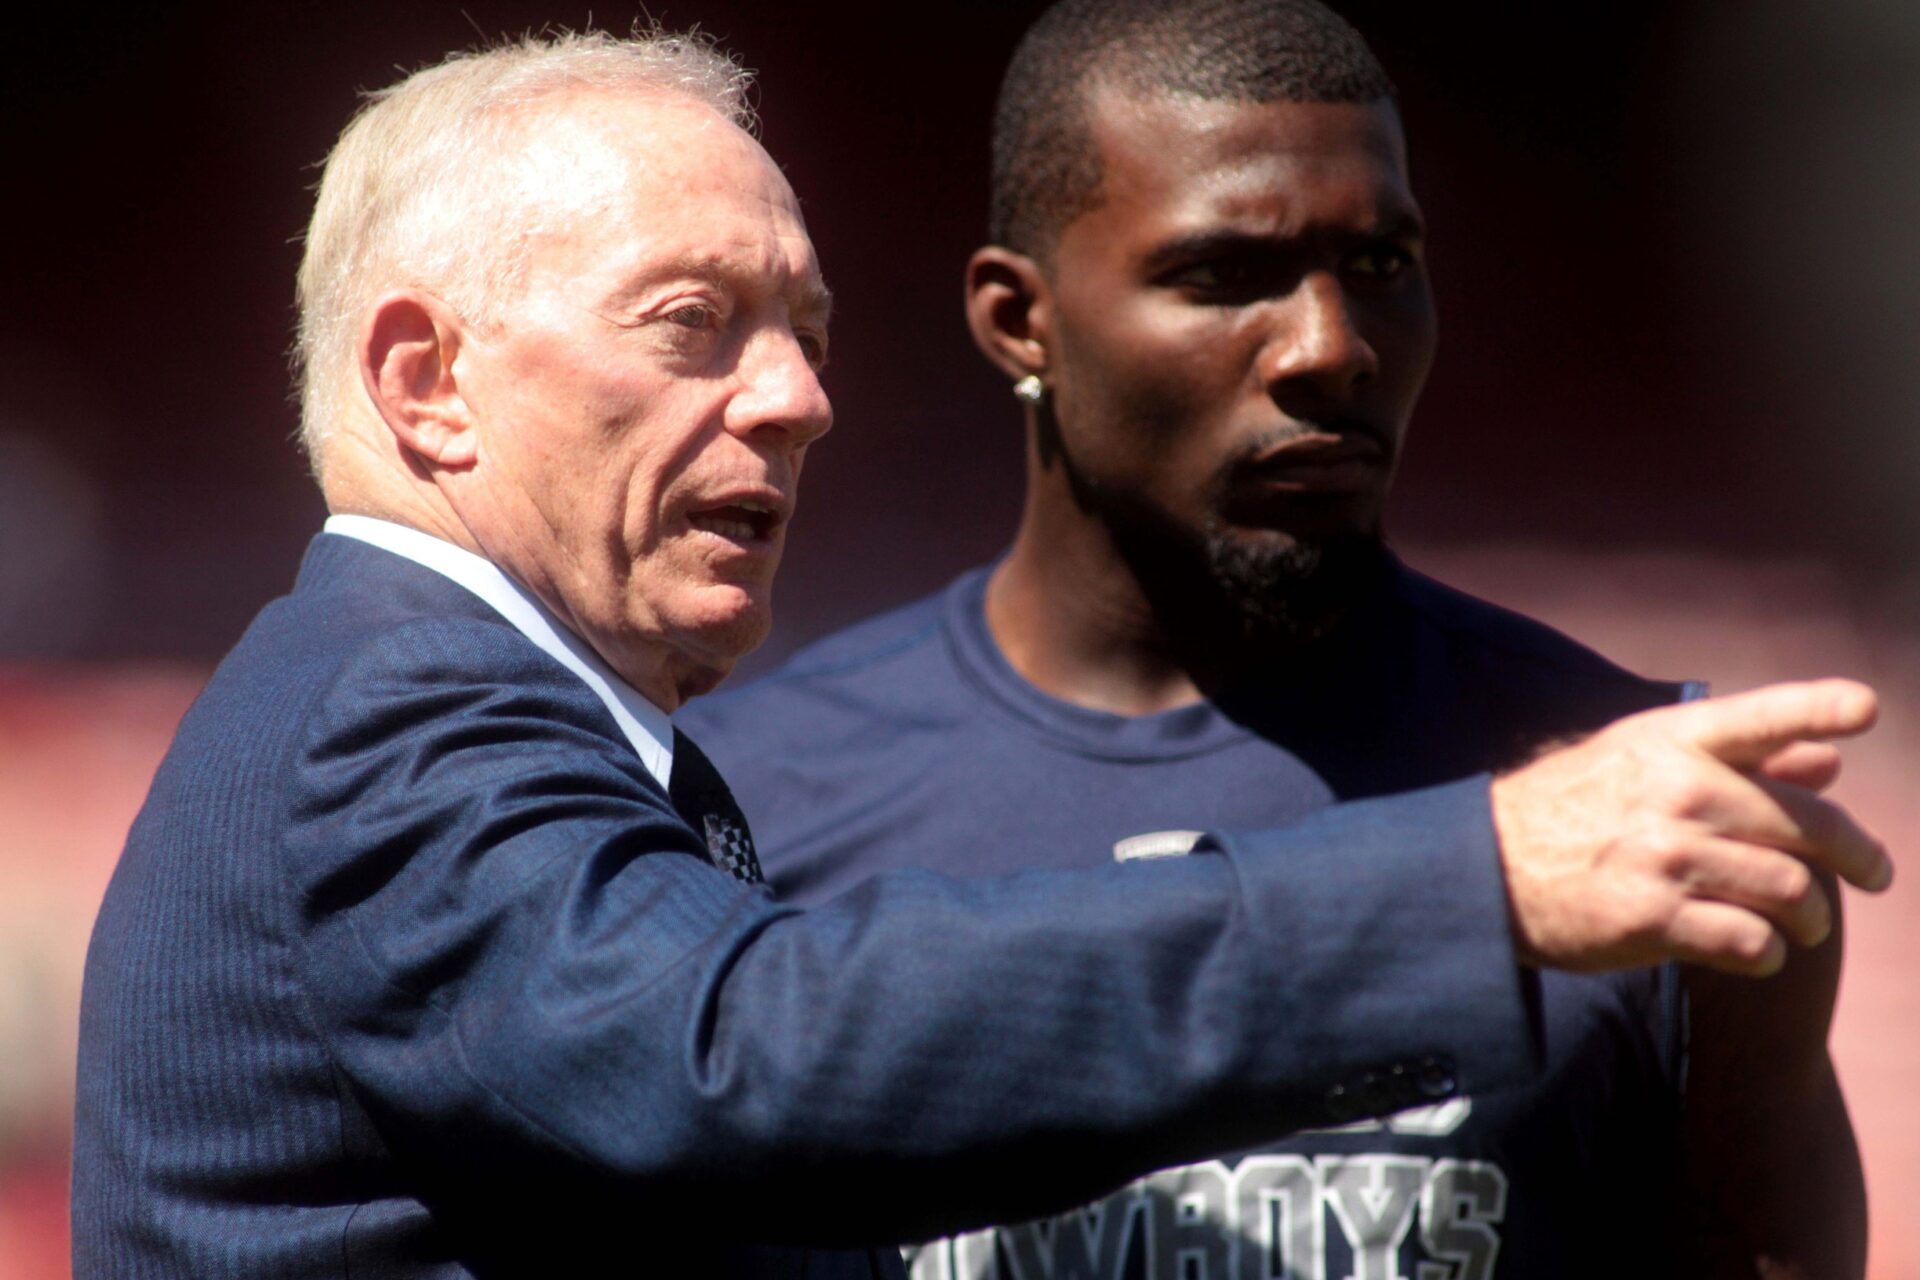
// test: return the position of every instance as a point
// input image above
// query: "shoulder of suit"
(316, 657)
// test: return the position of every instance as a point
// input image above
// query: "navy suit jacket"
(411, 969)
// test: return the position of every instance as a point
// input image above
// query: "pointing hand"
(1688, 833)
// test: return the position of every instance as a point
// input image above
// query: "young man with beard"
(1206, 282)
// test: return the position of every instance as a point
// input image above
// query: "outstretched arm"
(538, 987)
(527, 969)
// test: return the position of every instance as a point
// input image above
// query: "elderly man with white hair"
(436, 951)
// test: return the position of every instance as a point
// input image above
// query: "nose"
(779, 391)
(1317, 345)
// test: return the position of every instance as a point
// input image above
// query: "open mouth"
(742, 521)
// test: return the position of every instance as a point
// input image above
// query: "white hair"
(420, 188)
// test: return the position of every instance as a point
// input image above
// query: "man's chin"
(728, 623)
(687, 644)
(1288, 589)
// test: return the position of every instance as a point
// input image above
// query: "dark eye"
(1211, 275)
(1230, 279)
(1380, 263)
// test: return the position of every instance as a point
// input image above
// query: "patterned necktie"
(701, 797)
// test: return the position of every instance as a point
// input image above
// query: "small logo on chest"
(1155, 844)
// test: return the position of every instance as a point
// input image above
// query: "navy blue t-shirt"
(908, 741)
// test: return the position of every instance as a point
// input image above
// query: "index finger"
(1744, 729)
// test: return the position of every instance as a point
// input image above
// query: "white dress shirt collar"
(646, 726)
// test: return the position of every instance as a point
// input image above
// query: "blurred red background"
(1673, 412)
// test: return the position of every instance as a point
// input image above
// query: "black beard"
(1225, 605)
(1289, 595)
(1223, 601)
(1228, 603)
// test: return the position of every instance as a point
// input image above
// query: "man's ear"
(407, 352)
(1010, 310)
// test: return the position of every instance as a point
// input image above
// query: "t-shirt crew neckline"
(1184, 731)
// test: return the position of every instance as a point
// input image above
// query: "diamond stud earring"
(1030, 389)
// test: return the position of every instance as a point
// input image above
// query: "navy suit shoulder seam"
(602, 723)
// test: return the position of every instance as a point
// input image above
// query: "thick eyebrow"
(1220, 242)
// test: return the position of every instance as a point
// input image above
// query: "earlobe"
(1009, 310)
(407, 354)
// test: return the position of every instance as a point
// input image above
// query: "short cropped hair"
(1046, 169)
(421, 188)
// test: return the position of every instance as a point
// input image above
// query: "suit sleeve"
(527, 971)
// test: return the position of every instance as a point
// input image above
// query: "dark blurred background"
(1670, 243)
(1674, 408)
